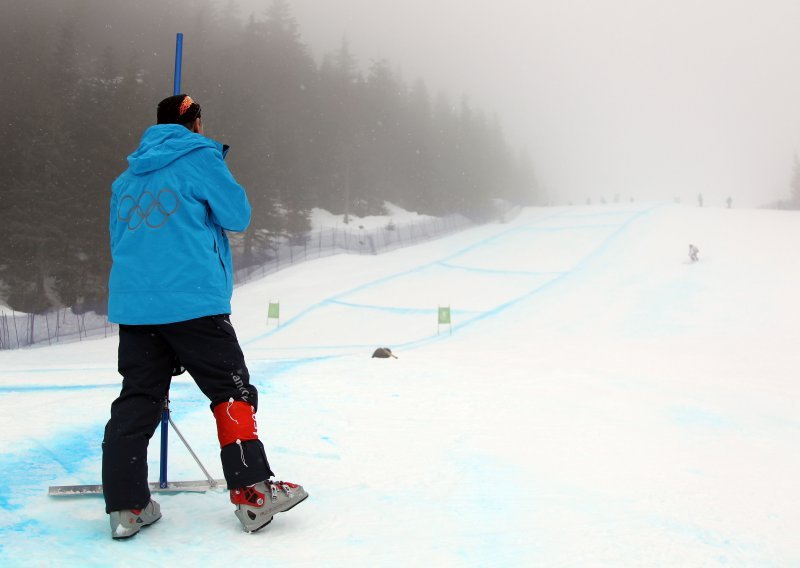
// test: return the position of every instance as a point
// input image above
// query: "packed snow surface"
(599, 401)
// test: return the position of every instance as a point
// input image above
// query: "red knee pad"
(236, 422)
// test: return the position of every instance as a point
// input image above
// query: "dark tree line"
(80, 81)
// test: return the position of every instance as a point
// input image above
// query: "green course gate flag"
(274, 312)
(444, 318)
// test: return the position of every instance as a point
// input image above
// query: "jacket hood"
(162, 144)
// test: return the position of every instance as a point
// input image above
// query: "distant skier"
(170, 290)
(693, 250)
(700, 199)
(729, 201)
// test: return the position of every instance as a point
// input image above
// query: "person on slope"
(693, 250)
(169, 290)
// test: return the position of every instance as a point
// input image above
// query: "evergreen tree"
(304, 135)
(292, 77)
(42, 212)
(418, 158)
(344, 92)
(384, 136)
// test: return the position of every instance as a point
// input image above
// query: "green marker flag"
(274, 312)
(444, 319)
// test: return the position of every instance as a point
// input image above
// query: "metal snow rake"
(162, 486)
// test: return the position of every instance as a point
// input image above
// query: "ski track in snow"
(506, 513)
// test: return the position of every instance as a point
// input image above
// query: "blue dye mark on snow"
(375, 283)
(580, 266)
(390, 309)
(16, 533)
(497, 271)
(694, 417)
(562, 228)
(400, 311)
(617, 231)
(34, 388)
(274, 367)
(705, 536)
(76, 455)
(48, 370)
(30, 472)
(489, 490)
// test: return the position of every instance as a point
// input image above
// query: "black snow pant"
(208, 349)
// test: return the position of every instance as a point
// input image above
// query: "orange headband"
(185, 105)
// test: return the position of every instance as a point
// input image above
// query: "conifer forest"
(80, 83)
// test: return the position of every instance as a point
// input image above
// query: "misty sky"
(638, 97)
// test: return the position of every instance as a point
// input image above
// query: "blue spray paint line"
(275, 367)
(38, 388)
(488, 240)
(581, 265)
(479, 316)
(563, 228)
(176, 384)
(283, 326)
(390, 309)
(506, 305)
(499, 272)
(620, 228)
(698, 418)
(323, 303)
(398, 310)
(61, 370)
(304, 348)
(613, 237)
(383, 280)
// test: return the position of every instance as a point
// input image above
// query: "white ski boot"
(256, 504)
(126, 523)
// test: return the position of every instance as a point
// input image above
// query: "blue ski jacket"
(171, 260)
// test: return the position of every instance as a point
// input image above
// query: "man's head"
(180, 109)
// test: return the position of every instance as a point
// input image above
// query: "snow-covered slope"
(600, 402)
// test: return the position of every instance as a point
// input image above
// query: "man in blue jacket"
(170, 290)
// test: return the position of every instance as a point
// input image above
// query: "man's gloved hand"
(177, 368)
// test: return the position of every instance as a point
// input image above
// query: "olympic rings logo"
(151, 210)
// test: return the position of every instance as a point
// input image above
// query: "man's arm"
(225, 197)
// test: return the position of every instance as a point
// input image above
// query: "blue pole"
(178, 56)
(162, 478)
